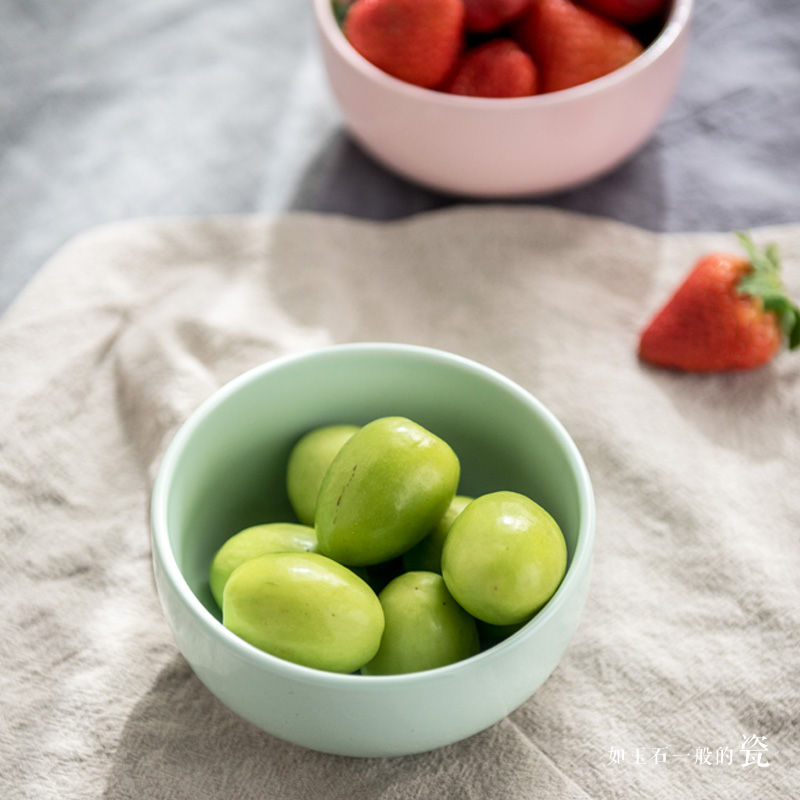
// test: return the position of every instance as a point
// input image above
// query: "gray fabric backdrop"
(112, 109)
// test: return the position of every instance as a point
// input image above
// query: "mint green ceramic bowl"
(224, 470)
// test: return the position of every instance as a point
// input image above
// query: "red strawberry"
(417, 41)
(730, 313)
(485, 16)
(572, 45)
(626, 12)
(497, 68)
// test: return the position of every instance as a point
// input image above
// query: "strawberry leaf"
(771, 252)
(764, 281)
(791, 325)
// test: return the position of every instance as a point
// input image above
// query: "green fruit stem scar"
(344, 489)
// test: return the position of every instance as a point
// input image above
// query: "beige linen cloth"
(682, 679)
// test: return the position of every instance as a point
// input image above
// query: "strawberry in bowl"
(423, 42)
(471, 98)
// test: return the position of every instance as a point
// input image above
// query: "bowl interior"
(226, 467)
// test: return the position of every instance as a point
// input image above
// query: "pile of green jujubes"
(387, 569)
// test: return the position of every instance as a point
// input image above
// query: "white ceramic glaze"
(504, 147)
(225, 470)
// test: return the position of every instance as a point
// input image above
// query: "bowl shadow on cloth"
(181, 742)
(341, 178)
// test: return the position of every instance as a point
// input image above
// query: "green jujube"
(503, 558)
(305, 608)
(308, 462)
(258, 540)
(388, 486)
(427, 554)
(424, 627)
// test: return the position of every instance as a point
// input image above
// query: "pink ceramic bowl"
(487, 147)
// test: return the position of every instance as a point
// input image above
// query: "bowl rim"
(164, 556)
(676, 23)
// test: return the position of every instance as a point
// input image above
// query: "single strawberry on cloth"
(682, 680)
(731, 312)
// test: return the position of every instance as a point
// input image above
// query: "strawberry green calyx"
(764, 281)
(340, 9)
